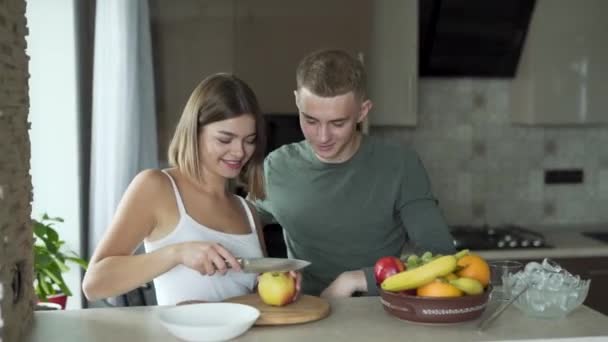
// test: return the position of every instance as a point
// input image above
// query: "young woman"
(192, 226)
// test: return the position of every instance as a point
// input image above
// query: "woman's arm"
(113, 269)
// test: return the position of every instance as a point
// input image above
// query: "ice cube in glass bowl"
(552, 292)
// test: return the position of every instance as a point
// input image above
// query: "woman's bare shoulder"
(151, 182)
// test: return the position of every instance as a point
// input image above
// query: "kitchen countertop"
(566, 244)
(351, 319)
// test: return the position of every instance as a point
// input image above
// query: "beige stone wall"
(16, 292)
(485, 169)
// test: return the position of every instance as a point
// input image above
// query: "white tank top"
(182, 283)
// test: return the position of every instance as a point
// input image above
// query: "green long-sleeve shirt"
(346, 216)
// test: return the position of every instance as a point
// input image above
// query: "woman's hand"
(346, 285)
(298, 278)
(206, 257)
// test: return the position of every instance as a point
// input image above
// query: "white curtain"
(124, 139)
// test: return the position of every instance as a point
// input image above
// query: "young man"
(343, 199)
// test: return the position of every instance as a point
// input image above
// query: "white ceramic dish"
(208, 321)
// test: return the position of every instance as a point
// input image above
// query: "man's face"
(329, 124)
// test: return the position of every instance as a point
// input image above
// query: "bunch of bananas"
(449, 270)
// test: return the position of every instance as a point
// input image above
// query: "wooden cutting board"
(305, 309)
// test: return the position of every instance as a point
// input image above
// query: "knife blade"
(261, 265)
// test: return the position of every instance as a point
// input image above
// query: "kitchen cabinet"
(191, 39)
(272, 37)
(263, 40)
(593, 268)
(393, 63)
(259, 40)
(562, 71)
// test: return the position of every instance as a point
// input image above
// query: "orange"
(438, 289)
(450, 276)
(473, 266)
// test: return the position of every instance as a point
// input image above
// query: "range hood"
(472, 38)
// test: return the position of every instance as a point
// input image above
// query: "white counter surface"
(351, 319)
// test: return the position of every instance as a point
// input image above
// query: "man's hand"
(346, 284)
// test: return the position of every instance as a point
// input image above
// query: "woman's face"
(226, 146)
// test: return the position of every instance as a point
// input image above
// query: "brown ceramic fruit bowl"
(434, 310)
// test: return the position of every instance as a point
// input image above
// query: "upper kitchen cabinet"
(393, 63)
(563, 70)
(272, 36)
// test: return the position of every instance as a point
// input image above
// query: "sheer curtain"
(124, 139)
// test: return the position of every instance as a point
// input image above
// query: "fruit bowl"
(433, 309)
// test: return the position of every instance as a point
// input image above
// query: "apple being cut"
(277, 288)
(386, 267)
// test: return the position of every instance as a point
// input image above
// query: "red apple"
(277, 288)
(386, 267)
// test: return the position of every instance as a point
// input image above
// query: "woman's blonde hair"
(219, 97)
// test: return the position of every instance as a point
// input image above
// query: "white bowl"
(208, 321)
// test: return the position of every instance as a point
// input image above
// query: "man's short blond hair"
(329, 73)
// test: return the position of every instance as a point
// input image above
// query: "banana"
(461, 253)
(421, 275)
(469, 286)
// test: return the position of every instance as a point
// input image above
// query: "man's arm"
(418, 210)
(422, 220)
(262, 208)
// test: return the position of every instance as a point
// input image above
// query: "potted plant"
(50, 262)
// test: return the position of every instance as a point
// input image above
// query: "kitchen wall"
(486, 170)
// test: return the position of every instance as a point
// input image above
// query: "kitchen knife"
(261, 265)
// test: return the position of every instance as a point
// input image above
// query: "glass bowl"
(552, 291)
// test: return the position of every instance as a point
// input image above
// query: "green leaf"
(62, 266)
(78, 261)
(54, 219)
(43, 259)
(51, 246)
(41, 287)
(40, 230)
(58, 280)
(50, 261)
(52, 234)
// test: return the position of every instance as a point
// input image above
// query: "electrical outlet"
(564, 176)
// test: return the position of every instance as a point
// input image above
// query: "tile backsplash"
(484, 169)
